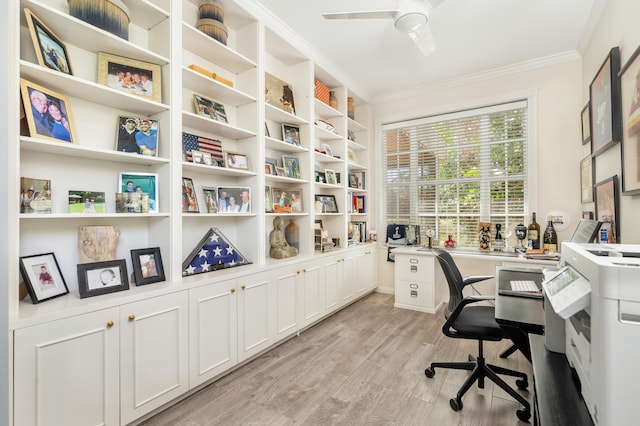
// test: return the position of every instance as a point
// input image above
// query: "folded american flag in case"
(213, 252)
(200, 143)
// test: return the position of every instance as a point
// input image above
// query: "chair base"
(481, 370)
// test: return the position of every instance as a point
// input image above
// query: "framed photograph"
(587, 178)
(147, 266)
(280, 171)
(137, 134)
(268, 199)
(327, 149)
(291, 134)
(42, 276)
(266, 130)
(586, 124)
(320, 177)
(87, 202)
(351, 154)
(50, 50)
(97, 278)
(35, 195)
(234, 199)
(189, 199)
(209, 108)
(279, 93)
(235, 160)
(268, 169)
(197, 157)
(630, 95)
(273, 164)
(604, 107)
(587, 215)
(130, 76)
(607, 205)
(132, 202)
(141, 182)
(330, 175)
(291, 166)
(287, 200)
(327, 203)
(47, 112)
(210, 196)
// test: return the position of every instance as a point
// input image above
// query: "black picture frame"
(328, 203)
(98, 278)
(33, 269)
(291, 134)
(147, 266)
(585, 118)
(604, 104)
(608, 206)
(630, 111)
(50, 50)
(587, 178)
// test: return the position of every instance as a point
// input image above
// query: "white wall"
(617, 26)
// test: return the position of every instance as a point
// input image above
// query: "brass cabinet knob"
(232, 290)
(243, 286)
(110, 324)
(132, 317)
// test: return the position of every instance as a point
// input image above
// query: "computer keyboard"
(524, 285)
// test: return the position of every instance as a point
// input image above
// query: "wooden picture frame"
(604, 104)
(50, 50)
(587, 178)
(138, 135)
(291, 166)
(98, 278)
(147, 266)
(42, 277)
(48, 113)
(279, 93)
(210, 196)
(608, 205)
(189, 199)
(630, 148)
(234, 199)
(585, 118)
(236, 160)
(291, 134)
(130, 76)
(141, 182)
(328, 203)
(209, 108)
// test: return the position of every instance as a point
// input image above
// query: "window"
(451, 172)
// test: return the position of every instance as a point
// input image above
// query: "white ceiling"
(471, 36)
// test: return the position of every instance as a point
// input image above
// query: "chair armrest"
(475, 279)
(464, 302)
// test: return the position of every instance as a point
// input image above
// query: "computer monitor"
(586, 231)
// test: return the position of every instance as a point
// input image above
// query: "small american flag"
(212, 253)
(200, 143)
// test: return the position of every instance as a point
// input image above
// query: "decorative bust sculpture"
(279, 248)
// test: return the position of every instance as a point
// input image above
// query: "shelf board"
(325, 111)
(286, 214)
(356, 166)
(76, 216)
(359, 191)
(217, 215)
(197, 122)
(327, 158)
(88, 37)
(284, 179)
(79, 151)
(326, 135)
(356, 146)
(219, 91)
(202, 45)
(283, 146)
(276, 114)
(83, 89)
(220, 171)
(355, 126)
(328, 185)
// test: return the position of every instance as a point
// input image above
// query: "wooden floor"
(362, 366)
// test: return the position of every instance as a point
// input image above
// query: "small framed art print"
(147, 266)
(97, 278)
(42, 276)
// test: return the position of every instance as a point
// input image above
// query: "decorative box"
(109, 15)
(322, 92)
(211, 9)
(214, 29)
(210, 74)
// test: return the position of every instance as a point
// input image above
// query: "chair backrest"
(454, 279)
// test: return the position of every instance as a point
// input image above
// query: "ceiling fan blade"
(423, 39)
(368, 14)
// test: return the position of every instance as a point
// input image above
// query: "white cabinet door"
(255, 315)
(332, 283)
(312, 294)
(349, 284)
(365, 271)
(286, 300)
(154, 356)
(66, 371)
(213, 335)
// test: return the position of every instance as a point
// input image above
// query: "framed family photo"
(138, 135)
(291, 134)
(147, 266)
(210, 199)
(42, 276)
(291, 166)
(87, 202)
(235, 160)
(326, 203)
(234, 199)
(141, 182)
(50, 50)
(130, 76)
(209, 108)
(47, 112)
(604, 107)
(97, 278)
(35, 195)
(630, 94)
(189, 199)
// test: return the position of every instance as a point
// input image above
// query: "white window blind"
(450, 172)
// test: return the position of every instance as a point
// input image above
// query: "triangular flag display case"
(213, 252)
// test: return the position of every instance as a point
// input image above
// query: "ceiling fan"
(410, 17)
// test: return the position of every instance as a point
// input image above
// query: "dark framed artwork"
(585, 117)
(147, 265)
(630, 149)
(130, 76)
(607, 205)
(604, 106)
(50, 50)
(326, 203)
(48, 113)
(97, 278)
(42, 276)
(587, 177)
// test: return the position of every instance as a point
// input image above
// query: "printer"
(596, 293)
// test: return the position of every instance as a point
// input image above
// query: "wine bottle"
(550, 236)
(533, 233)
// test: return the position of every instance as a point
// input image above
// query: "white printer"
(597, 292)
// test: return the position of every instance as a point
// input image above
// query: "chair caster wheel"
(457, 405)
(429, 372)
(523, 415)
(522, 384)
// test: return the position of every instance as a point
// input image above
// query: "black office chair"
(465, 321)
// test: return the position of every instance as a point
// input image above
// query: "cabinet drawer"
(414, 267)
(414, 293)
